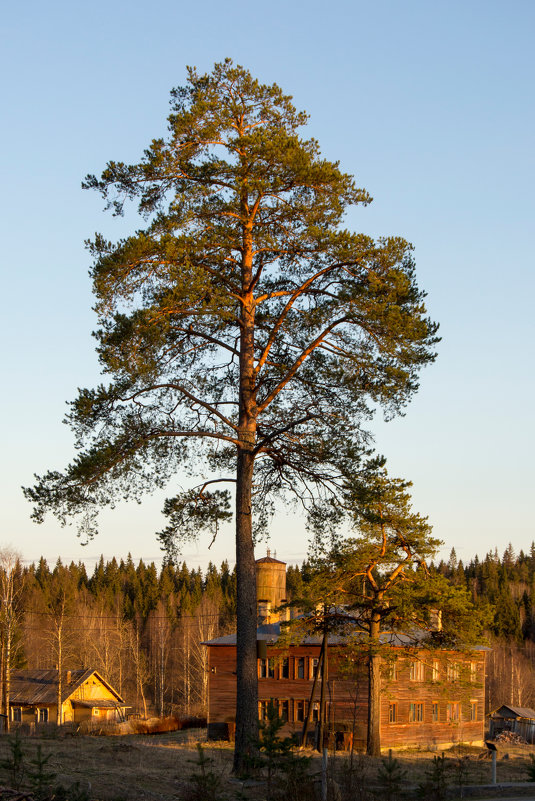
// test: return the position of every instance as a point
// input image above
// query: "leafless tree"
(10, 591)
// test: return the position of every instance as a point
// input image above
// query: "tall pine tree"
(243, 328)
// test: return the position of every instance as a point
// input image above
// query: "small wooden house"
(430, 697)
(517, 719)
(85, 695)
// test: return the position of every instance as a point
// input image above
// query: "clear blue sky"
(430, 105)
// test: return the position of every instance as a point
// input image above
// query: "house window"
(43, 716)
(434, 712)
(416, 712)
(263, 710)
(284, 710)
(299, 711)
(452, 712)
(392, 713)
(435, 670)
(266, 669)
(17, 714)
(300, 667)
(285, 668)
(417, 671)
(313, 667)
(473, 710)
(392, 670)
(453, 671)
(315, 711)
(473, 672)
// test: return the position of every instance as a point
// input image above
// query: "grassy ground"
(157, 767)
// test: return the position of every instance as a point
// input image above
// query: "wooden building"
(517, 719)
(85, 696)
(430, 698)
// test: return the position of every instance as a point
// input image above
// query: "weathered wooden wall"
(443, 678)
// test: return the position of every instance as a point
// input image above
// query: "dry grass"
(132, 768)
(464, 765)
(137, 767)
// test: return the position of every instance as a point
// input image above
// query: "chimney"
(264, 611)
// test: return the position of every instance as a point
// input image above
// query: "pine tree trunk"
(373, 747)
(246, 618)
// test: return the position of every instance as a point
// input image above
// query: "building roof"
(269, 560)
(41, 686)
(518, 711)
(271, 632)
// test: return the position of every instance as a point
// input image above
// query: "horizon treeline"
(143, 628)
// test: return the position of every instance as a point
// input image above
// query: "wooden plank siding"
(440, 678)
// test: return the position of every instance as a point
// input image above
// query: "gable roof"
(41, 686)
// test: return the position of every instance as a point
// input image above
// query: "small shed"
(517, 719)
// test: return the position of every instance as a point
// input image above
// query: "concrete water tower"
(270, 588)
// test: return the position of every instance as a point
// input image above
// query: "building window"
(473, 710)
(315, 711)
(43, 716)
(473, 672)
(417, 671)
(434, 712)
(452, 712)
(263, 710)
(313, 668)
(299, 711)
(266, 669)
(392, 713)
(300, 667)
(17, 714)
(285, 668)
(435, 670)
(416, 712)
(284, 710)
(453, 671)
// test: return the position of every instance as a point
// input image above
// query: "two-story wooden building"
(430, 697)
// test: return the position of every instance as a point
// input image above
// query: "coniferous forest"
(143, 628)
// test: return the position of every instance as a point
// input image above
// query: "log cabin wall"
(429, 699)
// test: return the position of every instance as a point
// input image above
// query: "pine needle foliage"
(391, 778)
(15, 763)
